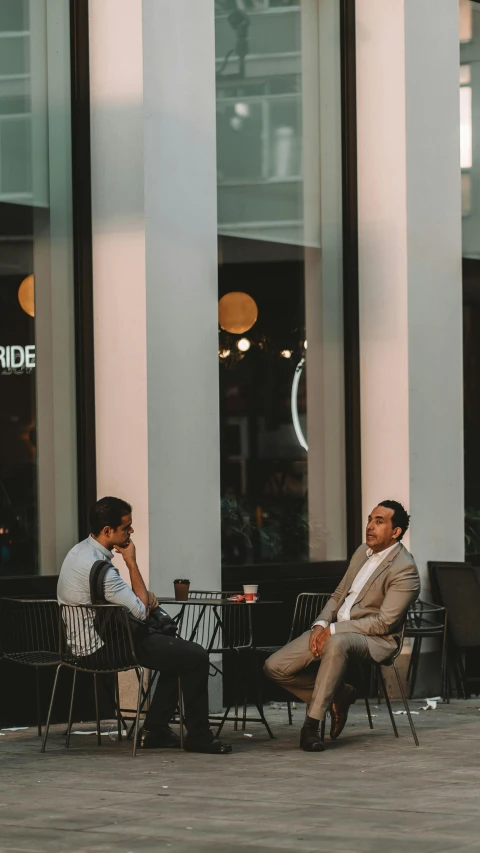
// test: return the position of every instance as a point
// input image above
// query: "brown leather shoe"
(344, 697)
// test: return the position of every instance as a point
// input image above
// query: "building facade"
(231, 279)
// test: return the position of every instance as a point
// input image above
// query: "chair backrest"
(307, 608)
(459, 587)
(29, 630)
(432, 566)
(424, 614)
(216, 628)
(96, 638)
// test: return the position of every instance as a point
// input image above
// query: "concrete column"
(181, 292)
(116, 90)
(410, 267)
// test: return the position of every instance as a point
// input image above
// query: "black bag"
(158, 621)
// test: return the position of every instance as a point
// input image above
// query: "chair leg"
(245, 709)
(322, 729)
(369, 713)
(289, 710)
(223, 721)
(139, 670)
(410, 662)
(117, 706)
(97, 716)
(180, 713)
(47, 725)
(417, 647)
(39, 704)
(70, 713)
(444, 674)
(387, 700)
(238, 680)
(365, 696)
(405, 702)
(259, 697)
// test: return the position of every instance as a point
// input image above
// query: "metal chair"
(29, 636)
(424, 620)
(307, 608)
(458, 588)
(96, 638)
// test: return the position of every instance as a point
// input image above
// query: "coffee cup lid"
(180, 580)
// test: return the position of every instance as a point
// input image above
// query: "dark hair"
(107, 512)
(400, 517)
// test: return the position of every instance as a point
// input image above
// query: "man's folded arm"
(400, 594)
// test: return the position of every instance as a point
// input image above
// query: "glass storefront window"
(470, 165)
(280, 280)
(37, 412)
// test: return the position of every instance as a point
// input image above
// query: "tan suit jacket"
(380, 607)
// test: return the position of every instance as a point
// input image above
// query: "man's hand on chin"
(318, 638)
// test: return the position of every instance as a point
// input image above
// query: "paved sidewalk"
(367, 792)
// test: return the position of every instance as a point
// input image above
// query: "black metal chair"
(458, 587)
(307, 607)
(96, 638)
(29, 636)
(425, 620)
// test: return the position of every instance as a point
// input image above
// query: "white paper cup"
(250, 592)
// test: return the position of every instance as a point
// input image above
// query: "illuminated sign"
(16, 359)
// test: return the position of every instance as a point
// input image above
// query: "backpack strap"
(97, 580)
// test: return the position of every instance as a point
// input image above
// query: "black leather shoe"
(210, 745)
(161, 739)
(311, 741)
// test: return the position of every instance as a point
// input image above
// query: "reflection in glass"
(36, 340)
(470, 163)
(279, 225)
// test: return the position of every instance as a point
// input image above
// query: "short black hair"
(107, 512)
(400, 517)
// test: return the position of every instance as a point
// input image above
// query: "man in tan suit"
(361, 621)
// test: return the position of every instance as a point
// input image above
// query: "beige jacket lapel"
(378, 571)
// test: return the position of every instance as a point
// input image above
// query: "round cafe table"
(222, 627)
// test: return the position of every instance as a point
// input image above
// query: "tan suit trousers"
(296, 669)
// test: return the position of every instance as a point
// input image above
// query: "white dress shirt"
(359, 582)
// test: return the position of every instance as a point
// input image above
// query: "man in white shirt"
(360, 622)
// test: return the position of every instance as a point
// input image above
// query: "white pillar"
(182, 296)
(410, 267)
(116, 91)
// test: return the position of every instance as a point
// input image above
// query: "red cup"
(250, 592)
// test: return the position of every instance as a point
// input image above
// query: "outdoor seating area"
(35, 634)
(81, 783)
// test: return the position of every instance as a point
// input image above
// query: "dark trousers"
(174, 657)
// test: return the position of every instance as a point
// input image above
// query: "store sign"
(17, 359)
